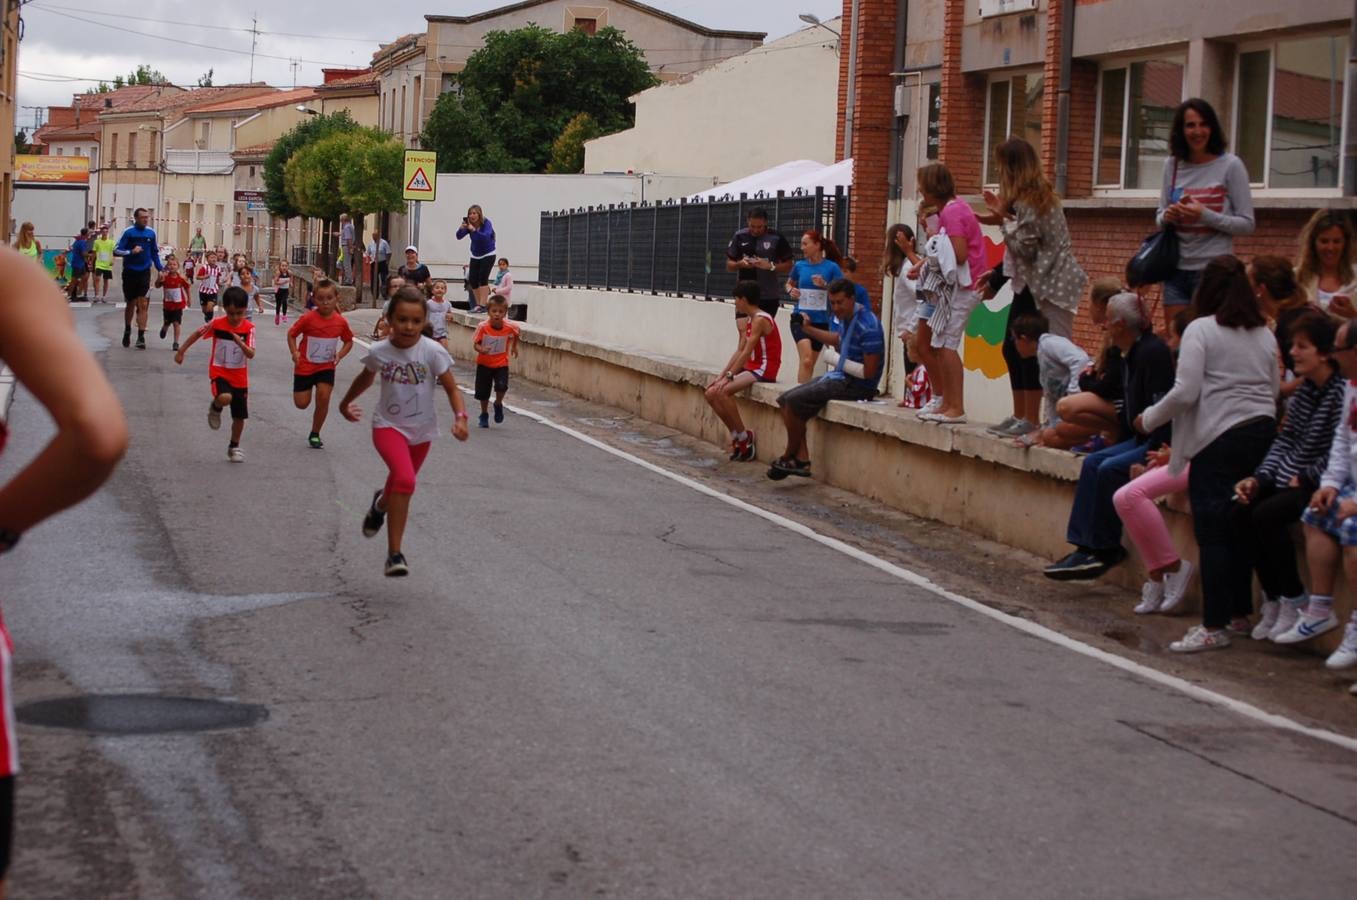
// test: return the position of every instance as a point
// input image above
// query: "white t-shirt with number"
(408, 380)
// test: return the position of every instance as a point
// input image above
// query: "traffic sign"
(421, 174)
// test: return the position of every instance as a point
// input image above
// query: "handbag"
(1157, 258)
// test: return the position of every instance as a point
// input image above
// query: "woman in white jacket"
(1223, 406)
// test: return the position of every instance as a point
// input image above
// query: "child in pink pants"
(1169, 574)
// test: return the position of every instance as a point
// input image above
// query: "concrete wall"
(1117, 26)
(267, 126)
(363, 110)
(704, 124)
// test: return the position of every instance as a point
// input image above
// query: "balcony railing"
(199, 162)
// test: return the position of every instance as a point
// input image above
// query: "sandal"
(784, 466)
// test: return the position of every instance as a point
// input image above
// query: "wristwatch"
(7, 540)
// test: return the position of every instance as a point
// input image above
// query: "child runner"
(210, 276)
(232, 349)
(103, 263)
(403, 422)
(282, 286)
(325, 340)
(440, 311)
(251, 292)
(381, 329)
(495, 341)
(756, 359)
(175, 301)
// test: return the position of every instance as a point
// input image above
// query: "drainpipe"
(1350, 147)
(1062, 121)
(853, 80)
(897, 66)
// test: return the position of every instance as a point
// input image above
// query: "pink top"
(959, 221)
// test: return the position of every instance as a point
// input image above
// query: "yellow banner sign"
(421, 175)
(31, 169)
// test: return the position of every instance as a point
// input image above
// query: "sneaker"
(277, 320)
(484, 420)
(163, 330)
(1240, 625)
(235, 454)
(1175, 588)
(1199, 638)
(127, 337)
(1151, 595)
(750, 451)
(175, 348)
(213, 416)
(141, 342)
(372, 521)
(284, 320)
(1287, 614)
(315, 442)
(1346, 654)
(396, 565)
(499, 413)
(1092, 445)
(1076, 566)
(931, 406)
(1266, 621)
(736, 451)
(1002, 427)
(1307, 627)
(1019, 428)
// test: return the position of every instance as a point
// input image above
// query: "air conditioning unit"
(901, 100)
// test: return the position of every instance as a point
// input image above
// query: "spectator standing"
(1146, 370)
(758, 253)
(1328, 263)
(379, 254)
(347, 247)
(1205, 197)
(415, 272)
(482, 233)
(27, 244)
(901, 255)
(197, 245)
(808, 286)
(1223, 407)
(1046, 278)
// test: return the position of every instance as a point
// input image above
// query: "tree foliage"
(205, 79)
(522, 88)
(306, 132)
(21, 144)
(567, 151)
(355, 171)
(142, 74)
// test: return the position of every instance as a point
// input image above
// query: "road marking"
(1173, 682)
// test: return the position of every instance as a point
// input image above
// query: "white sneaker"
(1269, 619)
(931, 406)
(1307, 627)
(235, 454)
(1346, 654)
(1199, 638)
(1151, 594)
(1175, 588)
(1287, 614)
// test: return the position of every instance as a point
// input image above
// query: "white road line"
(1050, 635)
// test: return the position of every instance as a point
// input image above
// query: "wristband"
(462, 415)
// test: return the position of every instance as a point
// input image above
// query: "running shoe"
(315, 442)
(1175, 588)
(1287, 614)
(213, 416)
(1199, 638)
(499, 413)
(1151, 595)
(930, 407)
(175, 348)
(1002, 427)
(736, 451)
(1346, 654)
(163, 329)
(750, 450)
(372, 521)
(483, 420)
(141, 342)
(1266, 620)
(396, 565)
(1020, 428)
(127, 337)
(235, 454)
(1307, 627)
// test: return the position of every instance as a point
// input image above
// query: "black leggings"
(280, 298)
(1265, 527)
(1023, 374)
(6, 822)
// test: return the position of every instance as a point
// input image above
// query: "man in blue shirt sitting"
(855, 350)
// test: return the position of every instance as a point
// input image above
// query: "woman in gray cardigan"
(1223, 407)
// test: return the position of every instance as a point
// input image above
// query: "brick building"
(949, 79)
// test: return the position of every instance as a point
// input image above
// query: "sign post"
(420, 180)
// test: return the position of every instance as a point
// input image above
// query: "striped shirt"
(1301, 449)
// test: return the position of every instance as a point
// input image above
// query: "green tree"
(312, 129)
(205, 79)
(21, 144)
(567, 151)
(521, 90)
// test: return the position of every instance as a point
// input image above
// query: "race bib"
(226, 355)
(814, 299)
(321, 350)
(494, 345)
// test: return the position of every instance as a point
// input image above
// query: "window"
(113, 152)
(417, 95)
(132, 150)
(588, 26)
(1289, 112)
(204, 134)
(1014, 108)
(61, 151)
(1135, 111)
(402, 119)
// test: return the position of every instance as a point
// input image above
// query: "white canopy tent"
(799, 174)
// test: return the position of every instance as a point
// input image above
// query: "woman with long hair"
(1282, 302)
(808, 285)
(1040, 260)
(482, 234)
(1205, 196)
(1327, 273)
(901, 255)
(1223, 406)
(27, 244)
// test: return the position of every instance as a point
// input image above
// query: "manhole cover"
(139, 714)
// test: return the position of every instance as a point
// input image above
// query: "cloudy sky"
(69, 44)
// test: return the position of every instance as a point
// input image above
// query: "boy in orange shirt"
(176, 298)
(325, 339)
(232, 348)
(495, 340)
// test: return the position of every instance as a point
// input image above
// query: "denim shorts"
(1179, 287)
(1344, 531)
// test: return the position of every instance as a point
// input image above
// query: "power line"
(232, 28)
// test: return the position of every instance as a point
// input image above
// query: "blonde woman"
(1327, 273)
(27, 244)
(1040, 260)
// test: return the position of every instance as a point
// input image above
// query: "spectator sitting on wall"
(414, 272)
(1096, 409)
(1060, 362)
(1327, 271)
(503, 283)
(855, 347)
(757, 253)
(1147, 372)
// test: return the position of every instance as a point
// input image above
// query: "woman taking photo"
(1223, 407)
(1046, 276)
(1328, 270)
(1205, 197)
(482, 234)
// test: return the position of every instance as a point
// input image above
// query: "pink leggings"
(402, 458)
(1144, 523)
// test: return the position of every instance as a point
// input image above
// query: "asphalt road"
(596, 682)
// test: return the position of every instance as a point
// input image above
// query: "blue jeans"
(1094, 523)
(1180, 286)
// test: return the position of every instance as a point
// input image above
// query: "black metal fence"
(675, 247)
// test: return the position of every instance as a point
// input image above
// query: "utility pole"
(37, 115)
(254, 40)
(294, 64)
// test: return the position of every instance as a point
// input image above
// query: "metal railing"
(675, 247)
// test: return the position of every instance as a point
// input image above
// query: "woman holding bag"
(1205, 197)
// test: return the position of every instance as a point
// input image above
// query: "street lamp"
(308, 110)
(813, 19)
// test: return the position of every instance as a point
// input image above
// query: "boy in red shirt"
(325, 339)
(176, 298)
(232, 349)
(495, 340)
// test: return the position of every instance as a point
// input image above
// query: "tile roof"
(255, 101)
(172, 99)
